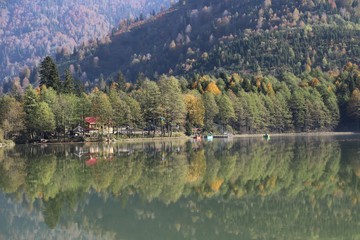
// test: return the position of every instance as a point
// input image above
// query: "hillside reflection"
(244, 187)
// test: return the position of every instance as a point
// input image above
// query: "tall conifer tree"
(49, 75)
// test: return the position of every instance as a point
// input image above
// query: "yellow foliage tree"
(212, 88)
(235, 77)
(314, 82)
(354, 105)
(269, 90)
(348, 66)
(216, 184)
(258, 82)
(195, 108)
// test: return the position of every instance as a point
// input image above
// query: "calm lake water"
(285, 188)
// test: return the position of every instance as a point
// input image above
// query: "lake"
(286, 188)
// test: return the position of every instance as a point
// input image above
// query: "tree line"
(225, 102)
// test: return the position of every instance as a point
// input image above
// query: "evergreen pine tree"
(49, 75)
(120, 81)
(188, 127)
(69, 85)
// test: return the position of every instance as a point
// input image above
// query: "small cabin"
(94, 127)
(91, 127)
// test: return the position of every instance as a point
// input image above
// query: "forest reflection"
(242, 173)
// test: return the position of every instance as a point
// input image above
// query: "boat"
(266, 136)
(209, 137)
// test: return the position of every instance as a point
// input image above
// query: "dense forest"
(31, 30)
(232, 103)
(310, 182)
(248, 36)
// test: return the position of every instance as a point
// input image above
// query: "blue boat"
(209, 137)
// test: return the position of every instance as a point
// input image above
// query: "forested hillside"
(247, 36)
(30, 30)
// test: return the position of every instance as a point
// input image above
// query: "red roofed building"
(91, 125)
(90, 120)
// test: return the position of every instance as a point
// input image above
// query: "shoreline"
(7, 144)
(256, 135)
(304, 134)
(157, 139)
(186, 138)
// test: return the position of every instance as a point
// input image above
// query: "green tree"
(49, 75)
(39, 116)
(252, 113)
(84, 106)
(354, 106)
(226, 110)
(66, 112)
(49, 96)
(318, 113)
(172, 103)
(133, 113)
(299, 110)
(188, 126)
(282, 114)
(11, 116)
(211, 110)
(331, 102)
(269, 104)
(31, 100)
(1, 135)
(69, 85)
(150, 100)
(101, 107)
(121, 110)
(239, 102)
(45, 116)
(120, 81)
(40, 119)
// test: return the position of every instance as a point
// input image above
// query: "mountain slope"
(30, 30)
(205, 35)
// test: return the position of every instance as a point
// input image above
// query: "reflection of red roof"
(91, 161)
(90, 120)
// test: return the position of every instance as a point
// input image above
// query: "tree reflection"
(309, 169)
(52, 211)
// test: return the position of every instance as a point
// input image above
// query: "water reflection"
(286, 188)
